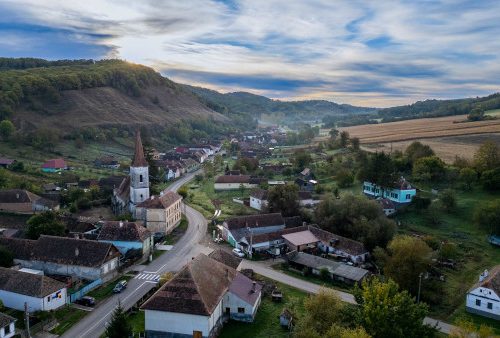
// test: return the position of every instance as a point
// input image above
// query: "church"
(134, 189)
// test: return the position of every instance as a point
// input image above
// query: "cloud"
(358, 52)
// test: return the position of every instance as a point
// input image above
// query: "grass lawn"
(475, 253)
(493, 112)
(137, 321)
(67, 316)
(106, 290)
(266, 322)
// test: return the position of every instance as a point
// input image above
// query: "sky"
(369, 53)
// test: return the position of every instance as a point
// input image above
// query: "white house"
(41, 293)
(484, 297)
(236, 228)
(197, 301)
(258, 199)
(126, 236)
(401, 192)
(7, 326)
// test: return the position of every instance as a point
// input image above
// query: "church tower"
(139, 176)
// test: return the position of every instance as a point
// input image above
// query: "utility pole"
(419, 286)
(27, 319)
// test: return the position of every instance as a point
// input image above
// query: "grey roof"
(336, 268)
(245, 289)
(28, 284)
(6, 320)
(255, 221)
(123, 231)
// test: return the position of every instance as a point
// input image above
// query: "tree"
(183, 192)
(476, 114)
(285, 199)
(418, 150)
(343, 332)
(301, 160)
(468, 177)
(334, 133)
(6, 258)
(46, 223)
(430, 168)
(448, 200)
(6, 129)
(355, 217)
(406, 258)
(378, 170)
(490, 179)
(385, 312)
(466, 329)
(487, 157)
(448, 251)
(487, 216)
(119, 326)
(344, 178)
(167, 276)
(344, 139)
(355, 143)
(322, 311)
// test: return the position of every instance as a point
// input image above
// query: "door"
(228, 311)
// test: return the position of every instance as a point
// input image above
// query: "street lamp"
(419, 286)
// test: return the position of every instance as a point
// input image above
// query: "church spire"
(139, 160)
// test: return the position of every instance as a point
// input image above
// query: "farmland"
(448, 136)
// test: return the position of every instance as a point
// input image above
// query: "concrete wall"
(233, 186)
(395, 195)
(163, 220)
(233, 302)
(16, 301)
(178, 324)
(257, 203)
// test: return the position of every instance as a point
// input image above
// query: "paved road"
(93, 325)
(264, 270)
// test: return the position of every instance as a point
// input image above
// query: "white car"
(238, 252)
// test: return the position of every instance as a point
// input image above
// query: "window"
(478, 302)
(490, 306)
(241, 310)
(7, 329)
(140, 178)
(408, 196)
(48, 299)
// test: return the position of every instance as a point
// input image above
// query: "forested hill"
(435, 108)
(256, 105)
(76, 94)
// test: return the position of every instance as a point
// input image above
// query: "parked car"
(86, 301)
(238, 252)
(120, 286)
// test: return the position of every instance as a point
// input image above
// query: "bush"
(448, 200)
(421, 203)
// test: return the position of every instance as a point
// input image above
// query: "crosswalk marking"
(148, 277)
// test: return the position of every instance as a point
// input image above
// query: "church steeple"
(139, 159)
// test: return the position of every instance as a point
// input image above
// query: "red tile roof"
(56, 163)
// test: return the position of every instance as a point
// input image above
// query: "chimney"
(17, 196)
(77, 252)
(120, 224)
(161, 193)
(152, 197)
(254, 285)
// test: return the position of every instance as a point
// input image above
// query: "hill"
(436, 108)
(263, 107)
(68, 95)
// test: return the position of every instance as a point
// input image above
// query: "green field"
(493, 112)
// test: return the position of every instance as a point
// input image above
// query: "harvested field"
(448, 136)
(421, 129)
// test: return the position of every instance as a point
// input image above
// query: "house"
(199, 298)
(388, 206)
(7, 326)
(108, 162)
(225, 258)
(401, 192)
(258, 199)
(337, 271)
(51, 188)
(300, 241)
(23, 201)
(40, 292)
(134, 189)
(331, 243)
(305, 185)
(6, 162)
(79, 258)
(54, 165)
(234, 229)
(234, 182)
(161, 213)
(484, 297)
(306, 174)
(126, 236)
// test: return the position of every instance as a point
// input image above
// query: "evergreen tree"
(118, 327)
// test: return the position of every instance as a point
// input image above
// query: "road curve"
(94, 324)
